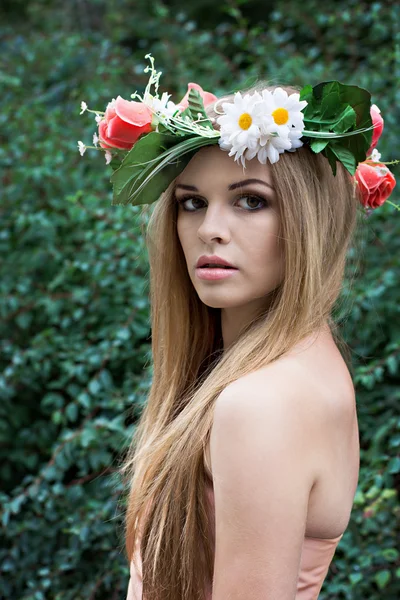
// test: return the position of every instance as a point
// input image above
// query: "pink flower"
(378, 123)
(123, 123)
(375, 183)
(207, 97)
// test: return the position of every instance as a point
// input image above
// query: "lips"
(210, 266)
(215, 273)
(213, 262)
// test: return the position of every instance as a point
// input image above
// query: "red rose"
(123, 123)
(375, 183)
(207, 97)
(378, 123)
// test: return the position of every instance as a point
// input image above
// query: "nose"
(214, 225)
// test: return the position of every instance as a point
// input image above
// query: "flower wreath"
(149, 142)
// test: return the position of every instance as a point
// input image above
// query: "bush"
(75, 334)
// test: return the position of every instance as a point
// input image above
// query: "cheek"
(263, 239)
(185, 235)
(187, 224)
(269, 254)
(180, 231)
(266, 255)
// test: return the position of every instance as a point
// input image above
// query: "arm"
(264, 457)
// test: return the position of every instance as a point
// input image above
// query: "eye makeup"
(253, 197)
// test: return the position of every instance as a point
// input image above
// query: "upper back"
(318, 372)
(331, 499)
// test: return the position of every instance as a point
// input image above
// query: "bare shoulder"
(312, 386)
(270, 415)
(281, 388)
(264, 467)
(268, 436)
(309, 389)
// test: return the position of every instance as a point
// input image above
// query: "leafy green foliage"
(74, 329)
(147, 170)
(138, 162)
(338, 108)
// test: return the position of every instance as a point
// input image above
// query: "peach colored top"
(317, 554)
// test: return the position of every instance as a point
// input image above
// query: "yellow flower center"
(245, 121)
(280, 116)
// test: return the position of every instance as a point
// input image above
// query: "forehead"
(213, 166)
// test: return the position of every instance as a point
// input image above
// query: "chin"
(214, 300)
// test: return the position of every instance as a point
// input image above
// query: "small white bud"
(108, 156)
(82, 148)
(95, 139)
(375, 155)
(83, 107)
(382, 171)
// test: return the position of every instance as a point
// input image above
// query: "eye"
(251, 200)
(182, 201)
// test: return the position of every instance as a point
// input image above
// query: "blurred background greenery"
(74, 331)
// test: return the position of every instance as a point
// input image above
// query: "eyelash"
(183, 199)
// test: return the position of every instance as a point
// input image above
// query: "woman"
(277, 414)
(245, 461)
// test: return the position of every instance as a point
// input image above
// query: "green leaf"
(355, 578)
(186, 113)
(391, 554)
(94, 386)
(330, 101)
(146, 149)
(345, 156)
(331, 157)
(382, 578)
(196, 107)
(140, 163)
(318, 145)
(154, 177)
(84, 400)
(346, 121)
(115, 163)
(338, 108)
(72, 412)
(392, 364)
(394, 465)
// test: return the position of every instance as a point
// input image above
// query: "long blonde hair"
(167, 514)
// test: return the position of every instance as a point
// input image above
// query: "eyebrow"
(233, 186)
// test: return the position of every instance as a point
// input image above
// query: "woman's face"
(223, 211)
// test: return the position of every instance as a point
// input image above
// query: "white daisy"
(269, 147)
(283, 110)
(282, 124)
(240, 125)
(262, 125)
(82, 148)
